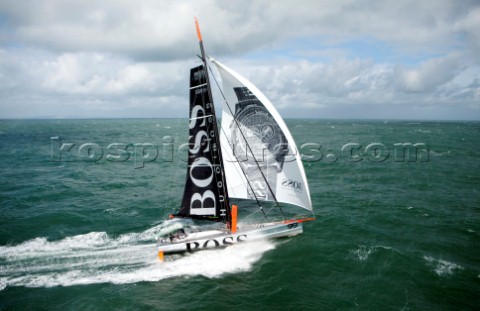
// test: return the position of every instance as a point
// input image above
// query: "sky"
(347, 59)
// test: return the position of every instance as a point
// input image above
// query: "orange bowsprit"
(234, 218)
(199, 34)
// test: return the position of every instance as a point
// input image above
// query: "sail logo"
(200, 90)
(292, 184)
(201, 168)
(216, 243)
(258, 189)
(204, 194)
(199, 75)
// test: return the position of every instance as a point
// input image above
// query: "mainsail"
(260, 157)
(205, 195)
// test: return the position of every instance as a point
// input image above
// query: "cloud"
(429, 75)
(39, 84)
(312, 58)
(295, 84)
(162, 30)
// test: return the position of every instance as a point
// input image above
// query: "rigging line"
(249, 148)
(231, 146)
(249, 217)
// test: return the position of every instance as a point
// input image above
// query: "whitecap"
(442, 267)
(362, 253)
(3, 283)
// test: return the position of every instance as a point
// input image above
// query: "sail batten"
(197, 86)
(198, 118)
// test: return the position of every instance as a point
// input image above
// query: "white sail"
(260, 157)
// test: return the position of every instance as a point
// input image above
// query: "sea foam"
(96, 257)
(442, 267)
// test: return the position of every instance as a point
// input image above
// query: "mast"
(200, 42)
(215, 124)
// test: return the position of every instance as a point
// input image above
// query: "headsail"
(261, 159)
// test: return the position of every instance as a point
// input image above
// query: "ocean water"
(396, 229)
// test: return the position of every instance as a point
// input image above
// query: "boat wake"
(129, 258)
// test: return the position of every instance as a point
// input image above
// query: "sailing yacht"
(251, 157)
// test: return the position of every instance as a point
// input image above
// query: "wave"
(442, 267)
(363, 252)
(96, 257)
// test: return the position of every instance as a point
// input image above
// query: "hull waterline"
(217, 238)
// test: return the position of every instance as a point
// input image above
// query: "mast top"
(199, 34)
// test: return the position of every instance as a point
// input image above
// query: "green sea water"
(81, 200)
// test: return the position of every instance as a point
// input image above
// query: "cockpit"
(173, 236)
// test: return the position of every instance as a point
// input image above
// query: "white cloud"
(343, 83)
(163, 29)
(117, 58)
(39, 84)
(430, 74)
